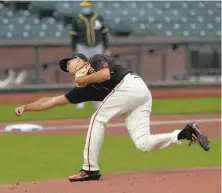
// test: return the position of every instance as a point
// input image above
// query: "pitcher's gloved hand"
(81, 72)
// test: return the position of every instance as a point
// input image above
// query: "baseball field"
(42, 161)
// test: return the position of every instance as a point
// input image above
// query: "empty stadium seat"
(179, 18)
(43, 5)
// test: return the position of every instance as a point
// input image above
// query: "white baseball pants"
(133, 97)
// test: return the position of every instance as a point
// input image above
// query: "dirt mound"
(202, 180)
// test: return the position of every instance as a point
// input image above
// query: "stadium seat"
(3, 11)
(44, 5)
(179, 18)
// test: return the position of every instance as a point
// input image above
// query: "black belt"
(131, 73)
(135, 74)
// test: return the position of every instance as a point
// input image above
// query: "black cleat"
(85, 175)
(191, 132)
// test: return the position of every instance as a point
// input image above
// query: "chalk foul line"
(115, 125)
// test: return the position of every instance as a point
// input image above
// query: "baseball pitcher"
(122, 92)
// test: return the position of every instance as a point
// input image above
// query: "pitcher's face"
(72, 65)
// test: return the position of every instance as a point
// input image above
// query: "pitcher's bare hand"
(19, 111)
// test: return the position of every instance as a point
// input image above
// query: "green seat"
(65, 32)
(4, 30)
(43, 5)
(35, 31)
(18, 31)
(3, 11)
(65, 8)
(23, 13)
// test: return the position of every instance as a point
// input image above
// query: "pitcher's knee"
(144, 147)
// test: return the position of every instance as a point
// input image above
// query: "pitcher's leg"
(94, 141)
(95, 135)
(158, 141)
(121, 100)
(113, 105)
(138, 124)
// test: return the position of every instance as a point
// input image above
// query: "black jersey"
(98, 91)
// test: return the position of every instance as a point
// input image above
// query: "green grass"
(30, 158)
(163, 106)
(187, 106)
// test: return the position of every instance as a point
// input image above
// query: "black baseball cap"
(63, 62)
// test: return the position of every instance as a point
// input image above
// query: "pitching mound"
(202, 180)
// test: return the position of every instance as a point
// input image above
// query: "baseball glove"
(83, 70)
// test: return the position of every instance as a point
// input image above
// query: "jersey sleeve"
(73, 96)
(98, 62)
(83, 94)
(78, 95)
